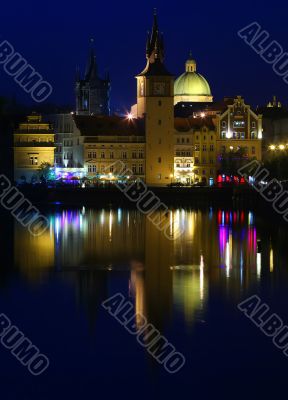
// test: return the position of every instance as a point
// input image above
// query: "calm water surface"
(188, 288)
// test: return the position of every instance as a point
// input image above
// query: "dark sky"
(54, 37)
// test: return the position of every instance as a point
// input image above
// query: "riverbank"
(112, 196)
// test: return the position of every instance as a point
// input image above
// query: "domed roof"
(192, 85)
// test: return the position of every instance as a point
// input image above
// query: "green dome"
(191, 84)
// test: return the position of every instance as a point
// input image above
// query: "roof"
(191, 84)
(109, 125)
(155, 69)
(190, 123)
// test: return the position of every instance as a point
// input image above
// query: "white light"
(202, 115)
(130, 116)
(228, 135)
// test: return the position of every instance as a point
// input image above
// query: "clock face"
(159, 88)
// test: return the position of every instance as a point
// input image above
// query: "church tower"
(155, 103)
(92, 92)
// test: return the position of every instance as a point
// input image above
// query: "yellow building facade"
(33, 145)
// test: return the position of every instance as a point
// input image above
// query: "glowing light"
(231, 147)
(271, 260)
(202, 115)
(258, 264)
(201, 277)
(272, 147)
(228, 135)
(130, 116)
(281, 147)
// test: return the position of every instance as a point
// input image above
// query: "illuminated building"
(33, 145)
(192, 87)
(155, 104)
(195, 150)
(92, 92)
(156, 142)
(108, 139)
(66, 134)
(239, 127)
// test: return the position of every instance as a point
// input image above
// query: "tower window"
(159, 103)
(159, 122)
(159, 160)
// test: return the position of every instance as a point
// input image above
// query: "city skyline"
(243, 74)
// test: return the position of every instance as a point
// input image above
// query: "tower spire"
(155, 43)
(91, 68)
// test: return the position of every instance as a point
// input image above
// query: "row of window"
(188, 165)
(238, 135)
(238, 124)
(204, 147)
(183, 153)
(197, 161)
(246, 149)
(135, 168)
(124, 154)
(187, 140)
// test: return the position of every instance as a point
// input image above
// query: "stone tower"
(155, 103)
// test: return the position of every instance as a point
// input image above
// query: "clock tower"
(155, 103)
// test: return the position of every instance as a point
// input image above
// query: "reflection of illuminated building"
(137, 286)
(90, 248)
(190, 289)
(158, 277)
(34, 256)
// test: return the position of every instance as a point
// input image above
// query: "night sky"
(54, 37)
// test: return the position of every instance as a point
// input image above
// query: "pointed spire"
(155, 42)
(148, 44)
(91, 69)
(155, 22)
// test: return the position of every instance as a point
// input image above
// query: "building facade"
(33, 146)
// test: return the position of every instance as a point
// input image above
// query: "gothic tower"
(155, 103)
(92, 92)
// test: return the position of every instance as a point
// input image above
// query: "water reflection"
(94, 249)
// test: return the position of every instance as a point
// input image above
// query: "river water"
(188, 288)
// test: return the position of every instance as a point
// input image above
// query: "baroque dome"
(191, 86)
